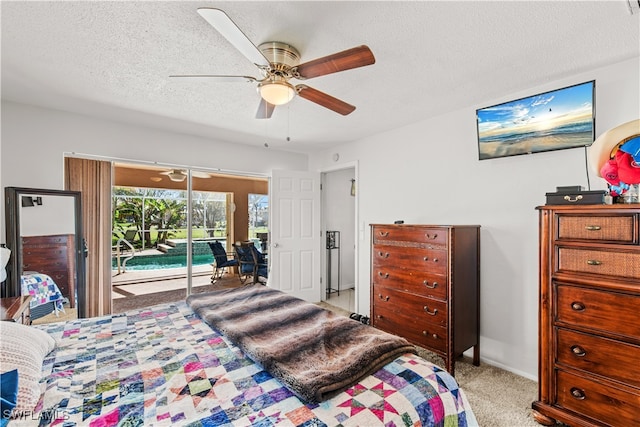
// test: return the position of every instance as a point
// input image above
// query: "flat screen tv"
(555, 120)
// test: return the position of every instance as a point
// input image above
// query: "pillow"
(24, 348)
(8, 395)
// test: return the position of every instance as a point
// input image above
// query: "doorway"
(339, 197)
(165, 228)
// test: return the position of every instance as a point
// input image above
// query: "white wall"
(54, 216)
(429, 172)
(34, 140)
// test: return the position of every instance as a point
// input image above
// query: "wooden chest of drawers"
(54, 256)
(425, 286)
(589, 332)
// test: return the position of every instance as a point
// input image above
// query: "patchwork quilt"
(163, 366)
(42, 289)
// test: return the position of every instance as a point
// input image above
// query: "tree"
(127, 211)
(166, 215)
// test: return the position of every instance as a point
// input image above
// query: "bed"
(165, 365)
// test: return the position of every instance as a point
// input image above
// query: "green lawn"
(197, 233)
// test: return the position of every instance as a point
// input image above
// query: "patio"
(140, 282)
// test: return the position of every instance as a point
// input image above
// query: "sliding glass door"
(161, 232)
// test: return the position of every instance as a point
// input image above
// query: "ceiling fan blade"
(265, 110)
(327, 101)
(341, 61)
(199, 174)
(217, 78)
(229, 30)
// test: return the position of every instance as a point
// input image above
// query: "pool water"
(158, 262)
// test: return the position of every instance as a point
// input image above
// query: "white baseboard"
(508, 368)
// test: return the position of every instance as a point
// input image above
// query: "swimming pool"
(158, 262)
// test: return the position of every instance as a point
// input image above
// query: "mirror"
(44, 233)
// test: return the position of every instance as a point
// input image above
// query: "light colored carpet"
(69, 314)
(498, 398)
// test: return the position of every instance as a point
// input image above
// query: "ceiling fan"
(179, 175)
(278, 63)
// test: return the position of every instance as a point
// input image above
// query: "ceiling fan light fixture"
(276, 92)
(177, 176)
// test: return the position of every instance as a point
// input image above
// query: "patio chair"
(222, 261)
(252, 264)
(130, 236)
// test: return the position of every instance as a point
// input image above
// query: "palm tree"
(166, 215)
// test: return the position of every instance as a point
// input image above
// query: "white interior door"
(294, 245)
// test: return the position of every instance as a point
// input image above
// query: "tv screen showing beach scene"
(554, 120)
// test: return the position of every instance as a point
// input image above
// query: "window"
(162, 214)
(259, 219)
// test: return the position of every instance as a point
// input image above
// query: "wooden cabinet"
(54, 256)
(425, 286)
(589, 333)
(15, 309)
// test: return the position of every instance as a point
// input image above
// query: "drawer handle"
(569, 199)
(431, 313)
(577, 306)
(578, 393)
(593, 227)
(383, 298)
(383, 275)
(431, 236)
(578, 351)
(433, 259)
(426, 283)
(384, 233)
(593, 262)
(383, 254)
(434, 336)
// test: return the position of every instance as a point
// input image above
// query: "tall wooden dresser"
(425, 286)
(53, 255)
(589, 316)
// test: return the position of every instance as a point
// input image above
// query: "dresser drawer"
(606, 357)
(420, 283)
(406, 233)
(611, 312)
(435, 260)
(38, 252)
(603, 228)
(46, 241)
(61, 278)
(600, 262)
(412, 327)
(45, 265)
(416, 308)
(612, 406)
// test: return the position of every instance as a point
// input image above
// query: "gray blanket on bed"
(314, 352)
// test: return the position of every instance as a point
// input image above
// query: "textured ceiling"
(113, 59)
